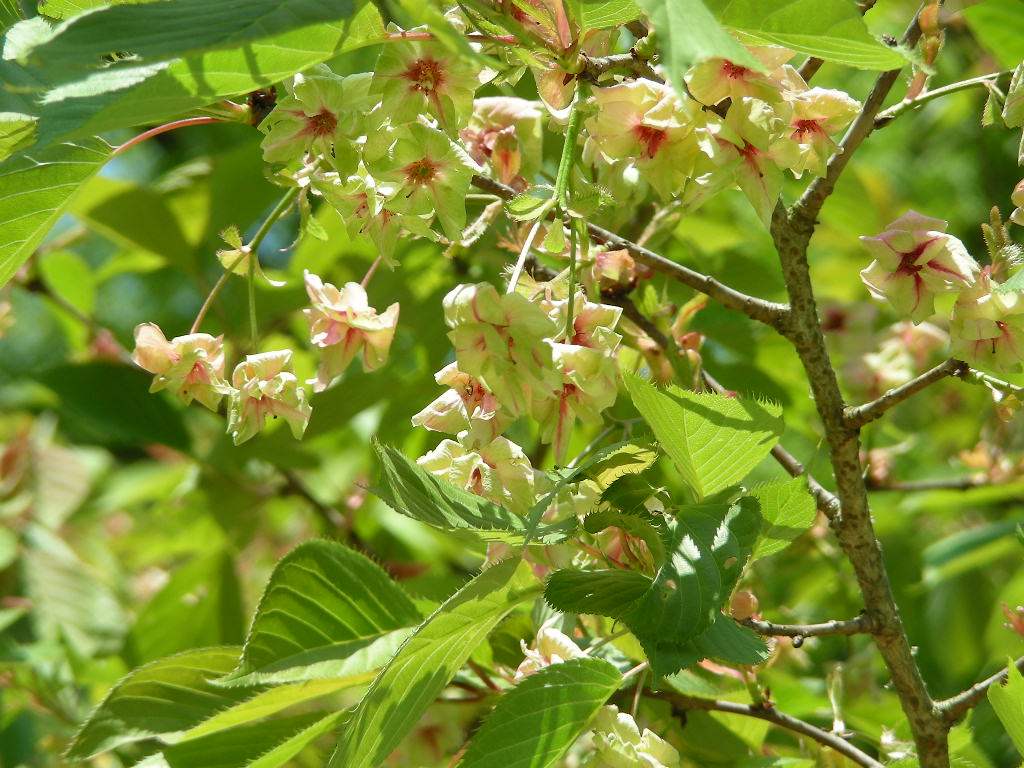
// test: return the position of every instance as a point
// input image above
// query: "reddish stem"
(164, 129)
(373, 268)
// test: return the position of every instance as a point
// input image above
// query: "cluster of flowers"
(915, 260)
(516, 355)
(341, 323)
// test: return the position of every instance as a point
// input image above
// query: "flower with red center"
(498, 471)
(499, 339)
(915, 260)
(322, 113)
(987, 327)
(505, 133)
(343, 324)
(191, 366)
(263, 388)
(467, 406)
(646, 122)
(593, 324)
(416, 77)
(431, 175)
(715, 80)
(818, 115)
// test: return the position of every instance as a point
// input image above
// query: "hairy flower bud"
(620, 744)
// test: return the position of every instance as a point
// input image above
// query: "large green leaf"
(326, 612)
(688, 34)
(604, 592)
(999, 26)
(411, 681)
(411, 490)
(714, 440)
(787, 510)
(1008, 702)
(160, 699)
(727, 641)
(34, 191)
(534, 724)
(107, 100)
(597, 14)
(829, 29)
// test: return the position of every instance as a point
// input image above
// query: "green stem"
(565, 163)
(570, 328)
(974, 376)
(904, 106)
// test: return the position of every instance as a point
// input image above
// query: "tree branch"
(825, 738)
(886, 117)
(941, 484)
(770, 313)
(856, 418)
(855, 626)
(955, 707)
(631, 62)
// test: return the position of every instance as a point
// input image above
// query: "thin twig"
(887, 116)
(810, 67)
(955, 707)
(770, 313)
(938, 484)
(857, 417)
(595, 67)
(774, 716)
(163, 129)
(855, 626)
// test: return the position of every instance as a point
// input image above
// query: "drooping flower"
(417, 77)
(431, 175)
(322, 112)
(343, 324)
(549, 647)
(467, 406)
(915, 260)
(191, 366)
(500, 340)
(262, 388)
(818, 115)
(715, 80)
(593, 324)
(498, 471)
(646, 122)
(1017, 198)
(505, 133)
(620, 744)
(987, 327)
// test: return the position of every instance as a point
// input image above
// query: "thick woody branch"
(954, 708)
(770, 313)
(864, 414)
(685, 703)
(856, 626)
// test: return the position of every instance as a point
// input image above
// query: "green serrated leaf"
(17, 131)
(535, 723)
(34, 191)
(428, 660)
(601, 592)
(283, 752)
(327, 611)
(714, 440)
(160, 699)
(727, 641)
(627, 459)
(247, 743)
(1008, 702)
(528, 207)
(787, 510)
(688, 34)
(411, 490)
(832, 30)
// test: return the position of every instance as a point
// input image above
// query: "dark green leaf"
(421, 669)
(603, 592)
(245, 744)
(714, 440)
(326, 612)
(727, 641)
(534, 724)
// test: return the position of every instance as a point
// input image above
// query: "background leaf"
(534, 723)
(1008, 702)
(999, 26)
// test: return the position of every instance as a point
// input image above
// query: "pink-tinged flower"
(645, 121)
(587, 387)
(264, 388)
(430, 174)
(618, 741)
(555, 86)
(987, 327)
(467, 406)
(191, 366)
(549, 647)
(915, 260)
(505, 133)
(1017, 198)
(614, 271)
(902, 354)
(499, 339)
(417, 77)
(752, 141)
(498, 471)
(818, 115)
(322, 112)
(715, 80)
(593, 324)
(343, 324)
